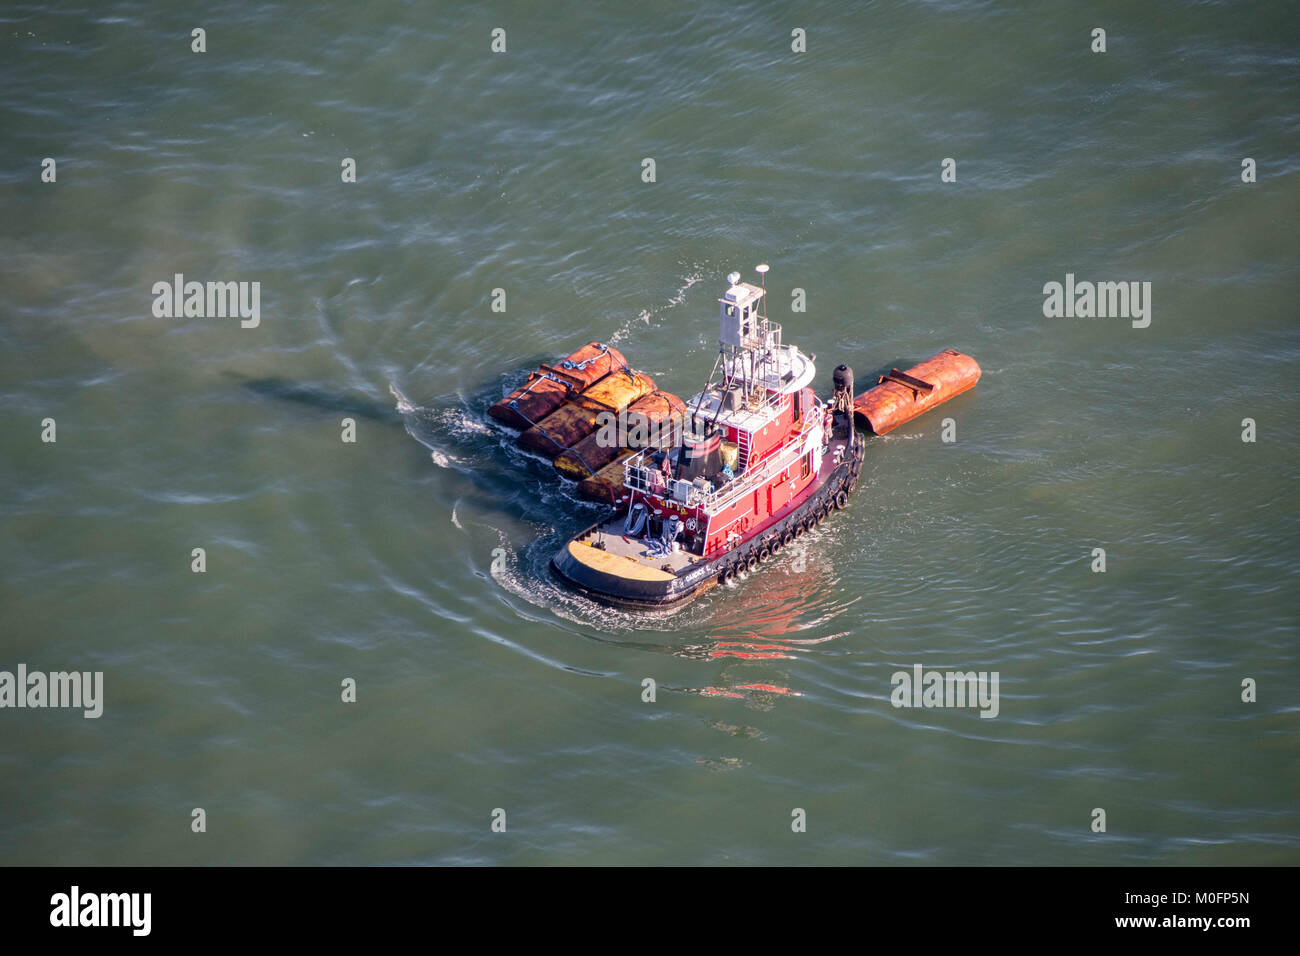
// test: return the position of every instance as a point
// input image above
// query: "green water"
(413, 560)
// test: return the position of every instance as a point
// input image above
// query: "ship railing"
(647, 479)
(640, 474)
(766, 384)
(755, 476)
(637, 474)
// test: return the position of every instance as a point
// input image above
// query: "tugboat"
(757, 461)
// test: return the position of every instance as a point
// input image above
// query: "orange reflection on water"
(768, 616)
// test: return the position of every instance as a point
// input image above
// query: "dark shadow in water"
(318, 398)
(488, 484)
(483, 469)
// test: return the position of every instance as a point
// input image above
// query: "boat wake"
(514, 497)
(645, 316)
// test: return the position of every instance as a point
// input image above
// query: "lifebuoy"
(690, 524)
(842, 500)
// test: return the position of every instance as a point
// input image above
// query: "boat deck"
(611, 535)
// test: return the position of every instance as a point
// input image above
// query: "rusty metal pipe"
(578, 417)
(652, 420)
(552, 384)
(901, 396)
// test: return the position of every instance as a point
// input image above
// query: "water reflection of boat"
(797, 603)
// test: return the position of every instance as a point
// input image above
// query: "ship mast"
(746, 343)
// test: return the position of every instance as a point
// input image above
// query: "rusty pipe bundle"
(578, 417)
(652, 421)
(606, 486)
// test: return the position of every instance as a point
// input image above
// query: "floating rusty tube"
(901, 396)
(577, 418)
(650, 421)
(615, 392)
(551, 385)
(531, 402)
(587, 457)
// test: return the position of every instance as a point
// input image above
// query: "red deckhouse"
(753, 437)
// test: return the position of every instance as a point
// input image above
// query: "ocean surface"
(413, 561)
